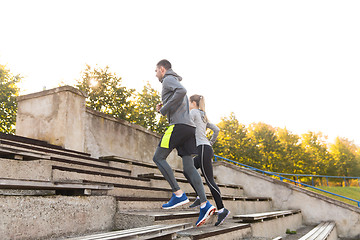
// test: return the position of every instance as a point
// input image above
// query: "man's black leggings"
(204, 161)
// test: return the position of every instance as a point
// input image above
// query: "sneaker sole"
(210, 212)
(177, 205)
(223, 219)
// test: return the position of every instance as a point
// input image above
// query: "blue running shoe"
(176, 201)
(205, 213)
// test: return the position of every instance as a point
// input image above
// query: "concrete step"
(69, 174)
(25, 170)
(69, 188)
(146, 165)
(296, 234)
(159, 231)
(20, 154)
(60, 162)
(134, 187)
(86, 161)
(137, 167)
(246, 205)
(42, 169)
(241, 205)
(236, 206)
(271, 224)
(277, 238)
(30, 142)
(144, 202)
(124, 190)
(134, 168)
(227, 230)
(142, 218)
(257, 217)
(20, 150)
(49, 151)
(323, 231)
(157, 180)
(125, 186)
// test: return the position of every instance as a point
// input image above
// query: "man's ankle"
(178, 193)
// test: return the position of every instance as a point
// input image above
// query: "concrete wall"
(56, 116)
(60, 117)
(314, 207)
(27, 217)
(106, 136)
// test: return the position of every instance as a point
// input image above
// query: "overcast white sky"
(291, 64)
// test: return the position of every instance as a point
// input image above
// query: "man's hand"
(158, 107)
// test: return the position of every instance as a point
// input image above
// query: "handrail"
(282, 178)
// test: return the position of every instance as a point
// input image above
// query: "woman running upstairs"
(205, 153)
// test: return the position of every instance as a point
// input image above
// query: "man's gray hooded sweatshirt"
(175, 101)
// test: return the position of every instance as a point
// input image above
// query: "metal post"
(312, 180)
(327, 181)
(344, 182)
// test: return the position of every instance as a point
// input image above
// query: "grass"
(349, 192)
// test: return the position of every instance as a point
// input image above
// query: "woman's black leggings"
(204, 161)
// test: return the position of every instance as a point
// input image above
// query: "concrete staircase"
(137, 190)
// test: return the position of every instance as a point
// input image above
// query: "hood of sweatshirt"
(170, 72)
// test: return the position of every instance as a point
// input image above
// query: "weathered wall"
(106, 135)
(59, 116)
(314, 207)
(56, 116)
(27, 217)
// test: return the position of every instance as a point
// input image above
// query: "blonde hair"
(200, 103)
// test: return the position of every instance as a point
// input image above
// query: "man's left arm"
(179, 93)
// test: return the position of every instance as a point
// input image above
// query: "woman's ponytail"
(200, 103)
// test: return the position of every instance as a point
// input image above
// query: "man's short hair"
(164, 63)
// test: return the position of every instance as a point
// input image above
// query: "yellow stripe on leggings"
(166, 138)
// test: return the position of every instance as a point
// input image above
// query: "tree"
(292, 155)
(266, 147)
(274, 149)
(144, 110)
(232, 142)
(105, 92)
(317, 159)
(346, 160)
(8, 105)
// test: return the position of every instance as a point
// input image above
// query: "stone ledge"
(121, 121)
(52, 91)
